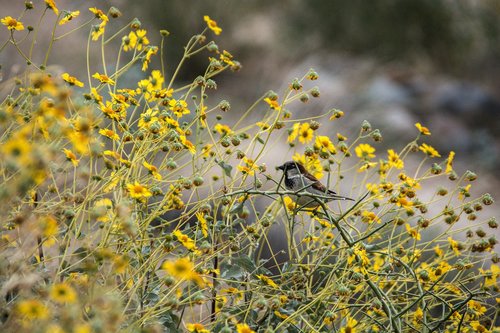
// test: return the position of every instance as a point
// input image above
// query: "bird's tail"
(338, 197)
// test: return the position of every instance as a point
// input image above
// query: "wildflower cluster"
(138, 207)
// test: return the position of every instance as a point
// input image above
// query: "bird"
(298, 179)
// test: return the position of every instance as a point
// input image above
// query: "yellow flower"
(73, 81)
(438, 251)
(103, 78)
(311, 163)
(120, 264)
(365, 151)
(394, 160)
(268, 281)
(249, 167)
(413, 232)
(70, 156)
(305, 133)
(423, 130)
(183, 269)
(178, 107)
(197, 328)
(273, 103)
(129, 42)
(289, 204)
(244, 328)
(491, 275)
(369, 217)
(113, 111)
(152, 170)
(151, 51)
(418, 317)
(138, 191)
(449, 162)
(203, 223)
(323, 143)
(49, 228)
(142, 40)
(294, 132)
(478, 328)
(223, 129)
(477, 308)
(109, 133)
(454, 245)
(227, 58)
(52, 5)
(212, 25)
(187, 144)
(68, 16)
(350, 326)
(12, 24)
(32, 309)
(184, 239)
(429, 150)
(99, 14)
(63, 293)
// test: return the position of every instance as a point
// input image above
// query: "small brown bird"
(298, 179)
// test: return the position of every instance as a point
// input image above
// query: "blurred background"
(392, 62)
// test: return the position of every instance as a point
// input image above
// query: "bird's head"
(292, 165)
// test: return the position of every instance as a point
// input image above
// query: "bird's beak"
(281, 167)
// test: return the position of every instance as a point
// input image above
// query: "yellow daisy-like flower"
(212, 25)
(183, 269)
(138, 191)
(267, 281)
(394, 160)
(306, 133)
(449, 162)
(423, 130)
(203, 223)
(350, 326)
(63, 293)
(324, 143)
(244, 328)
(273, 103)
(52, 5)
(70, 156)
(184, 239)
(454, 245)
(311, 163)
(73, 81)
(196, 328)
(11, 23)
(68, 16)
(364, 151)
(152, 170)
(99, 14)
(109, 133)
(412, 232)
(294, 132)
(249, 167)
(129, 42)
(32, 309)
(103, 78)
(223, 129)
(178, 107)
(369, 217)
(142, 40)
(429, 150)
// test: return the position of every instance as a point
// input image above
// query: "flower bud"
(164, 33)
(224, 106)
(376, 135)
(114, 12)
(492, 223)
(470, 176)
(436, 169)
(312, 75)
(304, 98)
(366, 126)
(212, 47)
(211, 84)
(29, 5)
(487, 199)
(136, 24)
(315, 92)
(296, 85)
(198, 181)
(272, 95)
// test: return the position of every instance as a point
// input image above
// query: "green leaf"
(245, 262)
(226, 167)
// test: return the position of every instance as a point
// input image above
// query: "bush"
(137, 208)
